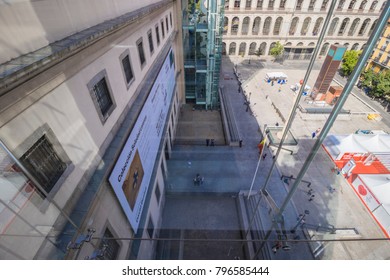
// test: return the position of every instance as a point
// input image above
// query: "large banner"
(132, 172)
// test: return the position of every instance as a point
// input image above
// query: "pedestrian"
(313, 134)
(212, 142)
(280, 89)
(240, 143)
(207, 142)
(318, 131)
(239, 89)
(264, 156)
(272, 82)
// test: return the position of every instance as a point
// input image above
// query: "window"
(383, 6)
(150, 39)
(256, 26)
(355, 47)
(343, 26)
(299, 5)
(372, 27)
(267, 26)
(150, 228)
(235, 24)
(127, 69)
(305, 26)
(332, 27)
(324, 4)
(317, 26)
(282, 4)
(364, 27)
(252, 49)
(324, 49)
(248, 4)
(245, 26)
(162, 29)
(271, 47)
(241, 50)
(373, 5)
(293, 26)
(363, 5)
(141, 53)
(44, 164)
(166, 23)
(157, 193)
(262, 48)
(225, 25)
(351, 4)
(271, 4)
(278, 24)
(353, 27)
(311, 4)
(259, 4)
(109, 246)
(237, 4)
(341, 4)
(157, 35)
(101, 95)
(232, 49)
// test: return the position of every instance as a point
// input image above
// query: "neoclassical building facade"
(254, 26)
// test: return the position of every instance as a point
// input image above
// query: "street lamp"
(300, 221)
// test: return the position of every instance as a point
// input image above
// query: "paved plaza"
(336, 213)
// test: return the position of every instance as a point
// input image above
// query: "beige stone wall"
(26, 26)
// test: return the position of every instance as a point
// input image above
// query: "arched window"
(259, 4)
(271, 4)
(237, 3)
(262, 48)
(245, 26)
(363, 5)
(317, 26)
(271, 47)
(341, 4)
(383, 6)
(288, 44)
(324, 4)
(223, 48)
(248, 4)
(343, 26)
(252, 49)
(300, 44)
(305, 26)
(235, 24)
(324, 49)
(282, 4)
(311, 5)
(364, 26)
(256, 26)
(267, 26)
(241, 50)
(351, 4)
(299, 5)
(293, 26)
(232, 49)
(354, 25)
(372, 27)
(278, 24)
(332, 27)
(346, 45)
(355, 47)
(225, 25)
(373, 5)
